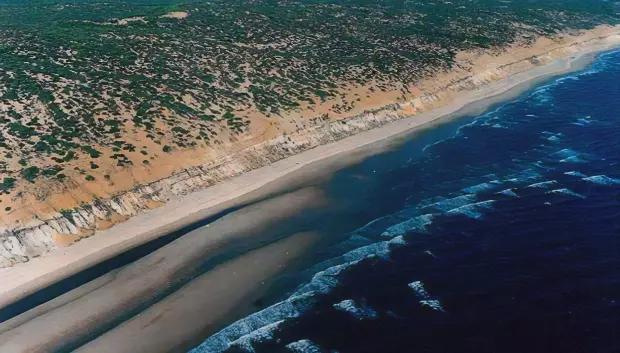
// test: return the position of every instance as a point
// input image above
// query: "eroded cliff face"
(29, 238)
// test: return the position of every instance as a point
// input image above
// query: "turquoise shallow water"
(498, 233)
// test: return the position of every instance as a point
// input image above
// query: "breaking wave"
(576, 174)
(419, 223)
(257, 326)
(473, 210)
(573, 159)
(482, 187)
(508, 192)
(303, 346)
(452, 203)
(357, 311)
(565, 153)
(426, 299)
(566, 192)
(543, 185)
(602, 180)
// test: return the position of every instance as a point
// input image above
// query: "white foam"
(566, 192)
(433, 304)
(540, 165)
(550, 136)
(543, 185)
(426, 300)
(481, 187)
(323, 271)
(398, 242)
(472, 210)
(429, 253)
(418, 289)
(525, 175)
(381, 249)
(572, 78)
(303, 346)
(573, 159)
(602, 180)
(565, 153)
(355, 310)
(325, 281)
(448, 204)
(259, 326)
(417, 223)
(576, 174)
(263, 334)
(261, 321)
(508, 192)
(585, 121)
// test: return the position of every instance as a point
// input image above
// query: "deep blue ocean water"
(501, 236)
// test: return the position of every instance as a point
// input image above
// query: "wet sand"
(232, 283)
(172, 298)
(80, 315)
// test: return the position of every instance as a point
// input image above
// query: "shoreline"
(27, 278)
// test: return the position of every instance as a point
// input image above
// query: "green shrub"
(30, 173)
(8, 183)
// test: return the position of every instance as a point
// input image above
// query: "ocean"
(491, 233)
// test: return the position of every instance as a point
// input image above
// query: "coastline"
(140, 331)
(24, 279)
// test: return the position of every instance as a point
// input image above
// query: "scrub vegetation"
(89, 80)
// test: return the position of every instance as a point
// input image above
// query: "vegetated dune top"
(99, 97)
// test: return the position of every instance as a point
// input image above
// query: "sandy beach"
(128, 309)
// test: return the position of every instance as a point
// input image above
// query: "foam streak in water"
(565, 153)
(576, 174)
(524, 176)
(602, 180)
(351, 307)
(256, 326)
(246, 342)
(543, 185)
(481, 187)
(303, 346)
(573, 159)
(261, 321)
(508, 192)
(415, 224)
(472, 210)
(449, 204)
(566, 192)
(426, 300)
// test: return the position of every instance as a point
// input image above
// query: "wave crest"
(601, 180)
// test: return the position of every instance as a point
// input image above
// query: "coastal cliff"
(31, 236)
